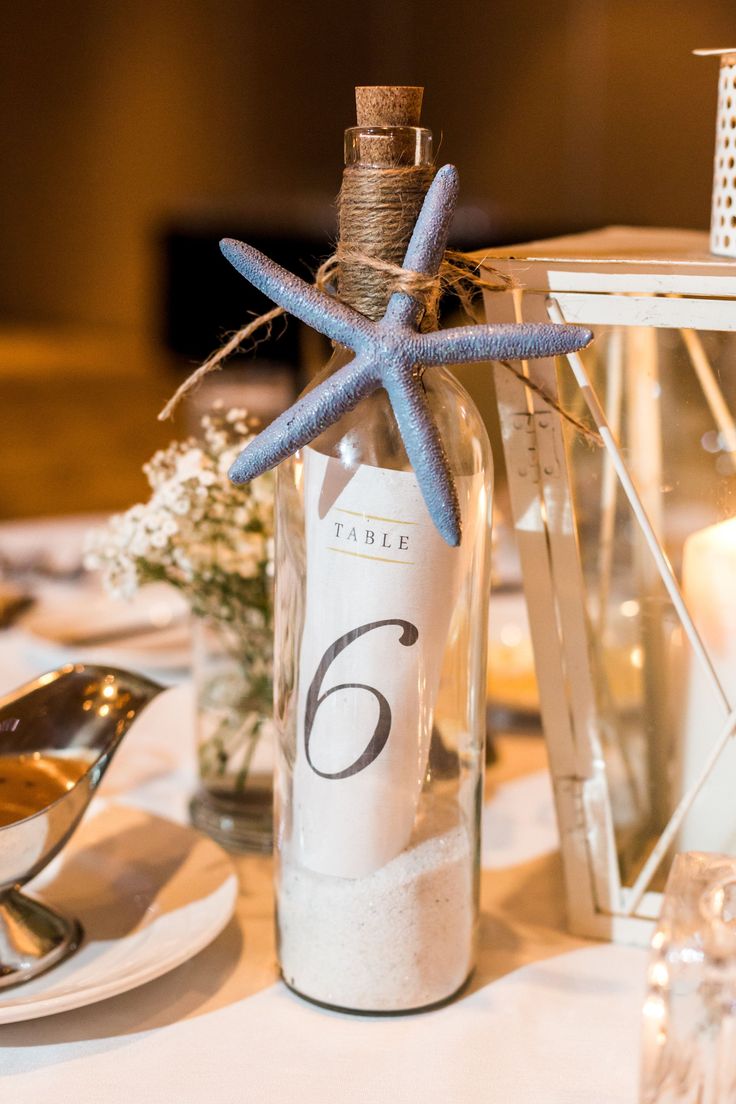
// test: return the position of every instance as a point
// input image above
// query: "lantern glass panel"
(656, 714)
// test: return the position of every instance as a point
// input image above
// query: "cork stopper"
(387, 105)
(388, 132)
(388, 169)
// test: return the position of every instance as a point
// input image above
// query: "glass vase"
(232, 674)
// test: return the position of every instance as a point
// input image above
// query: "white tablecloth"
(548, 1019)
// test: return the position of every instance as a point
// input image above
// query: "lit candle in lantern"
(709, 586)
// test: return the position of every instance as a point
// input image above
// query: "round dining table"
(547, 1017)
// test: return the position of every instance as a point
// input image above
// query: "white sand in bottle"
(396, 939)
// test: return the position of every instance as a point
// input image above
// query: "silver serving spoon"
(57, 734)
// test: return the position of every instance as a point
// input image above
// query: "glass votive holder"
(689, 1028)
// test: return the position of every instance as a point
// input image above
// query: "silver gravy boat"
(82, 711)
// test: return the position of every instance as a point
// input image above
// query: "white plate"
(69, 623)
(149, 893)
(57, 542)
(65, 608)
(167, 664)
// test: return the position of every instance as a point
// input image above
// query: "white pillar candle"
(709, 586)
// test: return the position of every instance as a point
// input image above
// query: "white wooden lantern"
(627, 539)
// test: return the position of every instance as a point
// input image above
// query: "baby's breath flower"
(197, 530)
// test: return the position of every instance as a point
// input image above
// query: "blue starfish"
(390, 353)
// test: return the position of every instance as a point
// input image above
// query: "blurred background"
(138, 132)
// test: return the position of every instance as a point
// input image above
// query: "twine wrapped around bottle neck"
(377, 210)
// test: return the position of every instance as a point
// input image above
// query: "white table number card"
(381, 589)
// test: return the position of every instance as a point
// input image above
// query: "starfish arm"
(426, 454)
(427, 245)
(320, 311)
(509, 342)
(310, 415)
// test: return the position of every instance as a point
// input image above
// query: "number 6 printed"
(409, 636)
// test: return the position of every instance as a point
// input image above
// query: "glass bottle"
(379, 686)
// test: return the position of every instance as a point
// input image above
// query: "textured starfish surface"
(390, 353)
